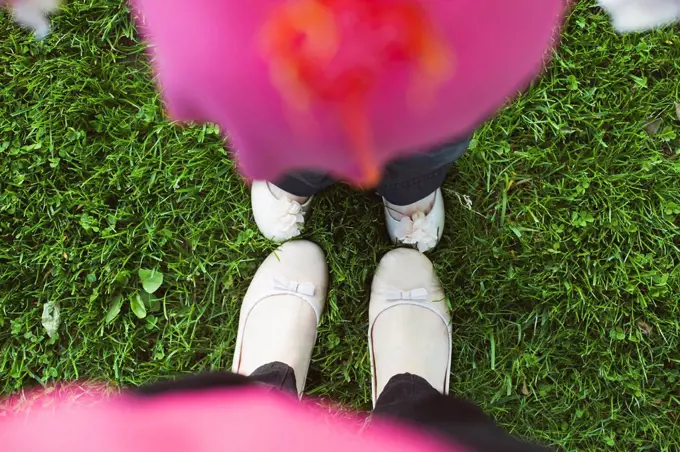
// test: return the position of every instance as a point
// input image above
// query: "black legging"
(405, 180)
(407, 398)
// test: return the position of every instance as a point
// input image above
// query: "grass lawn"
(564, 275)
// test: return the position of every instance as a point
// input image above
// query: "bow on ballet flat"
(286, 285)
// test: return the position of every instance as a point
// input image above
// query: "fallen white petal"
(51, 318)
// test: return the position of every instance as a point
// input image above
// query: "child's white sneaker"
(409, 329)
(420, 224)
(281, 310)
(279, 215)
(638, 15)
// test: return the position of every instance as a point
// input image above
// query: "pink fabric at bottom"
(251, 420)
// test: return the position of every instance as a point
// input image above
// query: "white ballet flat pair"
(409, 319)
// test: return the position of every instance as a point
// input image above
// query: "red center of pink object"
(371, 35)
(335, 50)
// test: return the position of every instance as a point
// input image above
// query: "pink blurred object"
(251, 420)
(343, 86)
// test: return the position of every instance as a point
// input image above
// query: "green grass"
(565, 276)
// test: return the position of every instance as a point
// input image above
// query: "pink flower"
(278, 100)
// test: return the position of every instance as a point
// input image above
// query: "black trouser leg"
(405, 180)
(304, 183)
(411, 399)
(277, 375)
(413, 178)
